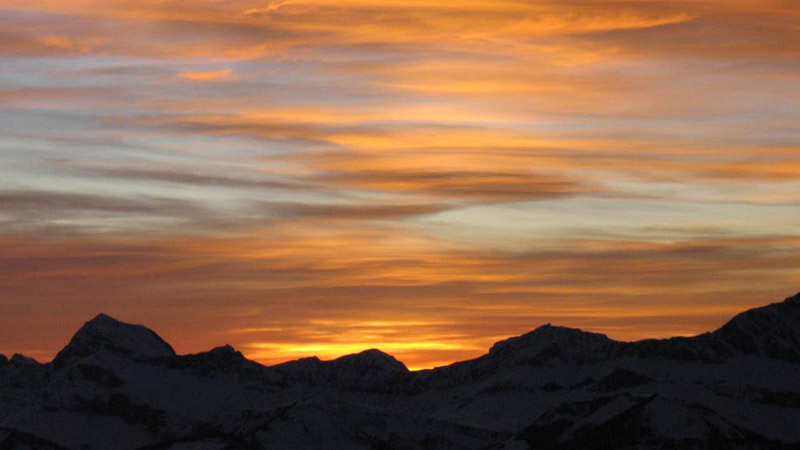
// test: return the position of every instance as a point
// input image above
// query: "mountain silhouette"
(104, 333)
(121, 386)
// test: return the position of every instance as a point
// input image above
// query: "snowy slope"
(121, 386)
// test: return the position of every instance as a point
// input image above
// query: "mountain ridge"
(95, 335)
(554, 387)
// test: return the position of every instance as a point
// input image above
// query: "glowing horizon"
(300, 176)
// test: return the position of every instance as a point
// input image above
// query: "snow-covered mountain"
(120, 386)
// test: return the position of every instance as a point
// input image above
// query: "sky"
(317, 177)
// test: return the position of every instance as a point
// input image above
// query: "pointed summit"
(106, 333)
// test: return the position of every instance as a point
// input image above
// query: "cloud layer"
(316, 177)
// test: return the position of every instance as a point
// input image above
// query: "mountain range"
(120, 386)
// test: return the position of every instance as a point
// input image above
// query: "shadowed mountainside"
(121, 386)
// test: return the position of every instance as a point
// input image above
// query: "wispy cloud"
(210, 76)
(382, 173)
(298, 292)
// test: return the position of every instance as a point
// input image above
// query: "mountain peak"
(22, 360)
(226, 349)
(223, 352)
(103, 318)
(372, 359)
(106, 333)
(548, 335)
(772, 330)
(550, 344)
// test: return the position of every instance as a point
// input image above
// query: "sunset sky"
(319, 177)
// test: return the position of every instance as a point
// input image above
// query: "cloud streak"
(296, 293)
(315, 176)
(211, 76)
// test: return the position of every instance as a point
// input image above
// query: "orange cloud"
(241, 30)
(308, 289)
(212, 76)
(422, 176)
